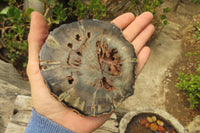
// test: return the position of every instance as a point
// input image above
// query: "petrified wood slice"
(89, 66)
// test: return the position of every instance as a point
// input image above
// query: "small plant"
(151, 6)
(93, 9)
(191, 85)
(14, 31)
(59, 14)
(197, 33)
(196, 1)
(15, 24)
(54, 12)
(197, 54)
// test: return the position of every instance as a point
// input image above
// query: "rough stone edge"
(23, 104)
(15, 128)
(16, 123)
(128, 116)
(193, 127)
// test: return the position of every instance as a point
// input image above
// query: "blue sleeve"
(41, 124)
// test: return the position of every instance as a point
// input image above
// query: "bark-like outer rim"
(162, 113)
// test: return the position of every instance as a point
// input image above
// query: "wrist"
(39, 123)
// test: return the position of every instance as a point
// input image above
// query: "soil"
(176, 101)
(21, 70)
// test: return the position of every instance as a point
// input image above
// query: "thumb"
(37, 35)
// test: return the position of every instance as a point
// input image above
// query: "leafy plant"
(94, 9)
(197, 54)
(151, 6)
(14, 23)
(191, 85)
(54, 12)
(197, 33)
(196, 1)
(59, 14)
(14, 31)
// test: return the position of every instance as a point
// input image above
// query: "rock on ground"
(9, 74)
(110, 126)
(21, 115)
(8, 94)
(35, 4)
(11, 85)
(22, 112)
(194, 126)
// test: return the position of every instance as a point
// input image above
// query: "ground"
(176, 100)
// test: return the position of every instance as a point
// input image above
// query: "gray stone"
(11, 85)
(22, 112)
(113, 116)
(9, 74)
(188, 8)
(38, 6)
(194, 126)
(173, 4)
(110, 125)
(35, 4)
(15, 128)
(8, 94)
(101, 131)
(23, 102)
(21, 115)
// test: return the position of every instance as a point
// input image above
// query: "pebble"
(113, 116)
(161, 129)
(153, 126)
(147, 125)
(149, 119)
(154, 118)
(160, 123)
(143, 121)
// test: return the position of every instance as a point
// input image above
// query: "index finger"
(123, 20)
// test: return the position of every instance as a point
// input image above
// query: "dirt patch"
(176, 101)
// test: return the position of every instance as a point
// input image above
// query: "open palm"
(136, 30)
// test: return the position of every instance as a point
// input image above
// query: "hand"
(136, 30)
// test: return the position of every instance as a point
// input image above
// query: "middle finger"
(132, 30)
